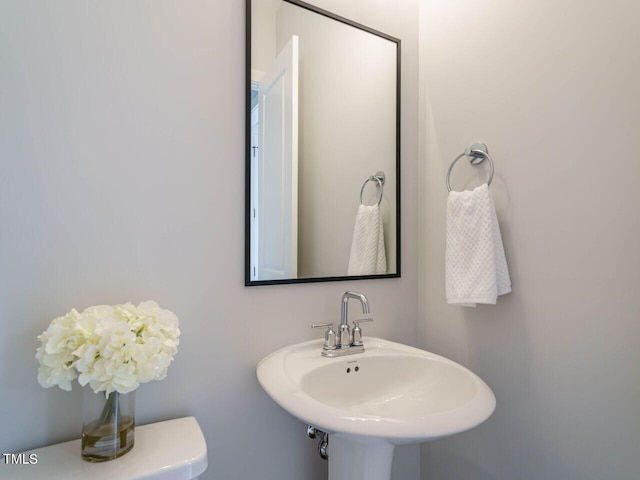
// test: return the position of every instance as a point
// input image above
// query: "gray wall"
(122, 178)
(552, 88)
(347, 122)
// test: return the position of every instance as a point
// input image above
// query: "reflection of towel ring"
(478, 153)
(379, 178)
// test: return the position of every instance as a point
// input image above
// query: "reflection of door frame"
(256, 77)
(254, 188)
(278, 259)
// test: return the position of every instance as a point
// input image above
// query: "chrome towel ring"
(478, 153)
(379, 178)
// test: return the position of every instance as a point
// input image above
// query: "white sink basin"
(390, 394)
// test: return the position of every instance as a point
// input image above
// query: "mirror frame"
(247, 273)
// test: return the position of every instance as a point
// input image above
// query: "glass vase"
(108, 425)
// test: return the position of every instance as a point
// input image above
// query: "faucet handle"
(329, 335)
(362, 320)
(357, 332)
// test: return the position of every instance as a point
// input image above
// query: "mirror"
(323, 147)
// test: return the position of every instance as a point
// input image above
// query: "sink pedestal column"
(353, 457)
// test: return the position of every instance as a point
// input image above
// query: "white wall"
(552, 88)
(263, 39)
(122, 178)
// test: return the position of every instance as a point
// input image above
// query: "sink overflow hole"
(355, 369)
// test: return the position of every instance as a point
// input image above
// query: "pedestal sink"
(369, 402)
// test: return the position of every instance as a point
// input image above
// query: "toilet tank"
(170, 450)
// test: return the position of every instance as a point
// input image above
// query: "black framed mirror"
(322, 147)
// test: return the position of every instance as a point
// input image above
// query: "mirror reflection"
(323, 147)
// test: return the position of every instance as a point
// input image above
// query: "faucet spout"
(345, 302)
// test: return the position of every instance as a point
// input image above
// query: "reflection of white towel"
(367, 247)
(476, 267)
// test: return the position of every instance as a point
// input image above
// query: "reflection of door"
(276, 170)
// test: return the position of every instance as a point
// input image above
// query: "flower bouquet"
(113, 349)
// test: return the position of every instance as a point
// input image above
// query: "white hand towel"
(367, 247)
(476, 267)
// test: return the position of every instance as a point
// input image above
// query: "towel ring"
(478, 153)
(379, 178)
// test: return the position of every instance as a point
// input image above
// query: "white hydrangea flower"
(110, 348)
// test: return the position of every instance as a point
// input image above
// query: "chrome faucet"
(346, 342)
(345, 333)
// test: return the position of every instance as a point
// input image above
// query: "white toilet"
(171, 450)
